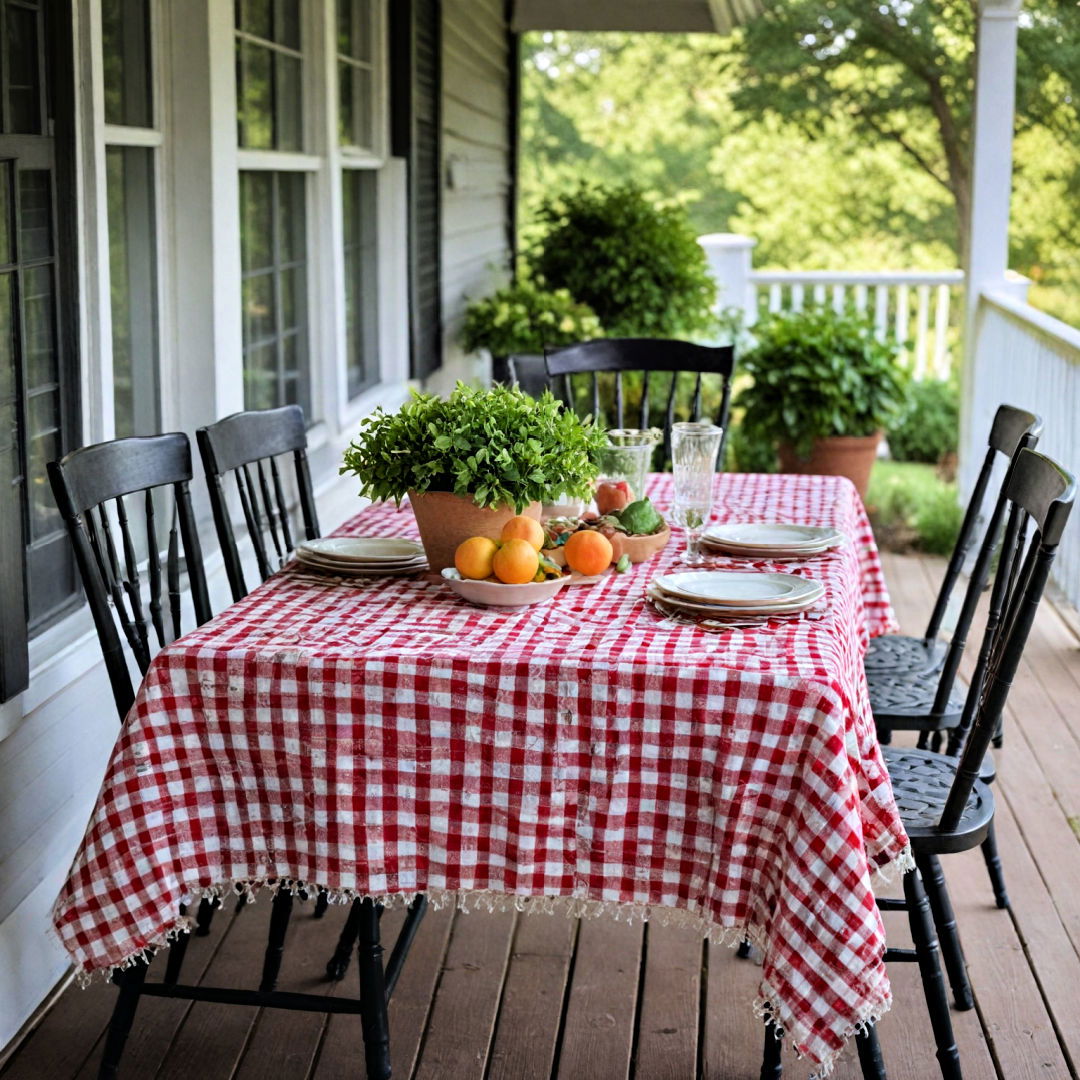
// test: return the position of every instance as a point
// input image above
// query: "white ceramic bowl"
(496, 594)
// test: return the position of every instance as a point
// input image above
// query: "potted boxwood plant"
(520, 320)
(824, 386)
(471, 461)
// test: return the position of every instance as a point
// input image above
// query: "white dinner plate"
(358, 569)
(760, 536)
(368, 549)
(725, 611)
(733, 588)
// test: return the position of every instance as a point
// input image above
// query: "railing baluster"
(861, 293)
(922, 324)
(775, 298)
(902, 319)
(881, 311)
(798, 294)
(941, 333)
(838, 298)
(819, 295)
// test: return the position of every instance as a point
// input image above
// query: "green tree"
(902, 71)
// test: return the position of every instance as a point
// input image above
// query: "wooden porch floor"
(506, 996)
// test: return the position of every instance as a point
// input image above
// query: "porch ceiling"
(669, 16)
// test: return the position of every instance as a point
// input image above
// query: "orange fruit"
(588, 552)
(473, 557)
(524, 527)
(516, 562)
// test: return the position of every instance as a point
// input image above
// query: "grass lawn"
(912, 507)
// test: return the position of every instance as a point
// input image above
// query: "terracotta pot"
(839, 455)
(445, 519)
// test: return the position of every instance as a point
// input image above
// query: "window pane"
(355, 105)
(354, 29)
(361, 292)
(125, 47)
(254, 96)
(287, 23)
(7, 352)
(288, 98)
(346, 117)
(40, 344)
(7, 256)
(35, 214)
(21, 61)
(256, 17)
(273, 261)
(133, 288)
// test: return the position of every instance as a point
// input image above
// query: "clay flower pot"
(838, 455)
(445, 519)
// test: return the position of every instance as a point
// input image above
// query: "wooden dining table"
(380, 737)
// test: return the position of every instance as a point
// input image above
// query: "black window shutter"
(416, 125)
(14, 670)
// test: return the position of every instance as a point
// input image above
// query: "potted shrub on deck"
(824, 388)
(471, 461)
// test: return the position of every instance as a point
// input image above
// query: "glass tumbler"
(627, 457)
(694, 448)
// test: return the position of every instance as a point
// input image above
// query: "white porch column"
(730, 257)
(991, 188)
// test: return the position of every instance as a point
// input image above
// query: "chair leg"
(772, 1068)
(937, 1001)
(322, 902)
(948, 935)
(744, 950)
(275, 944)
(870, 1059)
(204, 917)
(373, 1017)
(130, 982)
(993, 867)
(339, 962)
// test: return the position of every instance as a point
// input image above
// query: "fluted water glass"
(694, 448)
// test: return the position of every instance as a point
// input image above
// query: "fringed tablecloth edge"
(462, 900)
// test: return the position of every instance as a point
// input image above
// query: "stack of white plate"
(771, 540)
(362, 556)
(731, 594)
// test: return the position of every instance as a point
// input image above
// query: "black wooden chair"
(652, 357)
(246, 444)
(944, 804)
(898, 654)
(99, 491)
(933, 706)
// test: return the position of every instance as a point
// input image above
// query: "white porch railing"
(919, 308)
(1027, 358)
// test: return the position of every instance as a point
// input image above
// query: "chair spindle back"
(104, 493)
(247, 444)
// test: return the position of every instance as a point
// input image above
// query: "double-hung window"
(273, 196)
(132, 144)
(359, 60)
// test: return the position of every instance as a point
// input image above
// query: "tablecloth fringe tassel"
(888, 873)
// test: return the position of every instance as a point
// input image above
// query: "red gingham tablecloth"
(382, 737)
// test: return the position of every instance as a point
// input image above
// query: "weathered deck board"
(495, 997)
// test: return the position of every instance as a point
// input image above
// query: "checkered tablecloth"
(382, 737)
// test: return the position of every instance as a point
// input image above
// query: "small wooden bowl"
(638, 548)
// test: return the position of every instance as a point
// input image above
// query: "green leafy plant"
(498, 446)
(818, 373)
(637, 265)
(912, 506)
(929, 428)
(524, 318)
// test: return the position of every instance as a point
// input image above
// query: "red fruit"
(612, 496)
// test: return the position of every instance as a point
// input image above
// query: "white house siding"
(477, 164)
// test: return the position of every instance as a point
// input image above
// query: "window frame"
(375, 155)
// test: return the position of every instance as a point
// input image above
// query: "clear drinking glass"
(694, 447)
(627, 457)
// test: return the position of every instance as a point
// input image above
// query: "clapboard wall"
(477, 167)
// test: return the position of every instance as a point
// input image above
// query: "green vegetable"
(640, 518)
(623, 564)
(499, 446)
